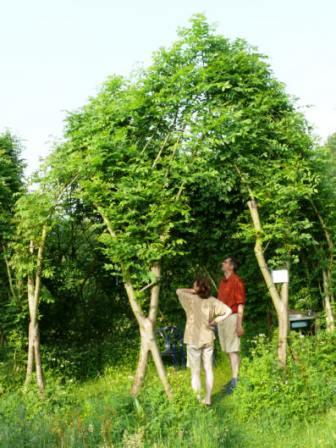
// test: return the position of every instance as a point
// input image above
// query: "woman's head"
(202, 287)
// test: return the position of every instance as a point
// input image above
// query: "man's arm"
(240, 316)
(240, 294)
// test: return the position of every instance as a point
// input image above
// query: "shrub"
(305, 387)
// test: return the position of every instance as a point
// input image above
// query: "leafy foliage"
(306, 388)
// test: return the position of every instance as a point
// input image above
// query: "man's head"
(202, 287)
(229, 265)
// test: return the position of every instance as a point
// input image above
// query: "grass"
(101, 414)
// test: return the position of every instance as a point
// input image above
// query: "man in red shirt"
(231, 291)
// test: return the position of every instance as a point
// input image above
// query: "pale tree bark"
(146, 324)
(328, 294)
(280, 300)
(328, 301)
(283, 325)
(141, 368)
(30, 362)
(34, 290)
(34, 283)
(147, 335)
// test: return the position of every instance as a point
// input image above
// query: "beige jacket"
(200, 312)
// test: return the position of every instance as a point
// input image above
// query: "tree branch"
(258, 249)
(160, 150)
(244, 181)
(136, 308)
(155, 292)
(106, 221)
(39, 263)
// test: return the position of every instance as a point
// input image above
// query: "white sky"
(55, 53)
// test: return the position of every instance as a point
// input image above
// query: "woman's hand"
(212, 324)
(191, 290)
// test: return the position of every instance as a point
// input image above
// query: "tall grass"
(101, 414)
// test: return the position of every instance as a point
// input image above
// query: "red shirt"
(231, 291)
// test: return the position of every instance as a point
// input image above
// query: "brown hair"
(233, 261)
(204, 287)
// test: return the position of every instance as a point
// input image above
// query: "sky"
(55, 54)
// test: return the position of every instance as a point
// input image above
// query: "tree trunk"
(283, 326)
(149, 345)
(146, 324)
(280, 301)
(34, 357)
(31, 328)
(34, 354)
(34, 289)
(160, 369)
(30, 362)
(141, 368)
(328, 302)
(328, 299)
(147, 335)
(38, 362)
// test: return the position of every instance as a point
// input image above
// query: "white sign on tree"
(280, 276)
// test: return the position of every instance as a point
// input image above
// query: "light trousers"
(197, 356)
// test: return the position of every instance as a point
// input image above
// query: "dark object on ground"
(230, 387)
(170, 340)
(302, 321)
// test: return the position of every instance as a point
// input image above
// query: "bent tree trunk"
(146, 323)
(280, 301)
(147, 335)
(34, 289)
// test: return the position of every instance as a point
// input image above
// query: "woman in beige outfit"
(202, 312)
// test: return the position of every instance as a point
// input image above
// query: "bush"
(305, 387)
